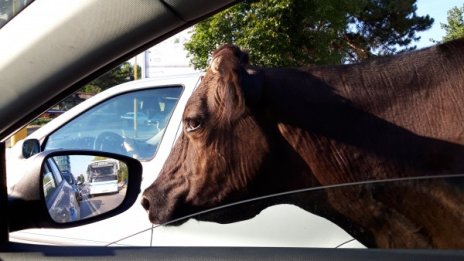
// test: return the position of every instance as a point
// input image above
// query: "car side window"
(131, 124)
(49, 184)
(51, 180)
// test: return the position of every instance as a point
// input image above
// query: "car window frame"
(41, 252)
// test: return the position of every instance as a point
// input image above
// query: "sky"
(437, 9)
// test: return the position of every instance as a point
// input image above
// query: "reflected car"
(60, 196)
(69, 177)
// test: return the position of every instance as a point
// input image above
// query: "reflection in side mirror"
(30, 148)
(77, 187)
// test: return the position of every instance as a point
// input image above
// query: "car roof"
(59, 51)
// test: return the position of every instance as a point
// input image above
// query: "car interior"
(71, 45)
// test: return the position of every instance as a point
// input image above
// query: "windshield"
(131, 124)
(99, 171)
(102, 170)
(10, 8)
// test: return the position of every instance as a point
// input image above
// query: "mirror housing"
(26, 202)
(30, 147)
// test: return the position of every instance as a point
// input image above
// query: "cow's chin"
(180, 212)
(220, 218)
(225, 215)
(225, 218)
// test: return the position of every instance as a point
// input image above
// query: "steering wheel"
(110, 142)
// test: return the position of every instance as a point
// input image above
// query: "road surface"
(100, 203)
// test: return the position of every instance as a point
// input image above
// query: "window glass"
(309, 218)
(48, 182)
(68, 177)
(130, 124)
(51, 180)
(55, 170)
(10, 8)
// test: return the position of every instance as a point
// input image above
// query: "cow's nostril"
(145, 203)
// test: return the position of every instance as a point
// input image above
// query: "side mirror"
(30, 147)
(110, 184)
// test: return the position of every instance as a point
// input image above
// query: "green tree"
(121, 74)
(310, 32)
(455, 26)
(97, 158)
(124, 173)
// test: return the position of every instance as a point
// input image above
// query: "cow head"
(222, 147)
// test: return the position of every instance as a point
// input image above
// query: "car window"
(60, 197)
(67, 176)
(55, 170)
(10, 8)
(51, 181)
(133, 123)
(130, 124)
(291, 223)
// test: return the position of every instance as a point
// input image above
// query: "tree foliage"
(310, 32)
(455, 27)
(121, 74)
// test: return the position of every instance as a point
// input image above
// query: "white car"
(96, 124)
(101, 123)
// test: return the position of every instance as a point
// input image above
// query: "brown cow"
(255, 131)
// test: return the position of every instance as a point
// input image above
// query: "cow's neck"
(337, 117)
(397, 89)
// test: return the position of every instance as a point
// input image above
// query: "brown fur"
(263, 131)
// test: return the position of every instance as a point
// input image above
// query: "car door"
(60, 196)
(131, 122)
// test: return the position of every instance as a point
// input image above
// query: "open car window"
(10, 8)
(394, 210)
(289, 222)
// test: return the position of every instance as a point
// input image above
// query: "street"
(100, 204)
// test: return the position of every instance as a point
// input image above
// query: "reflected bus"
(103, 177)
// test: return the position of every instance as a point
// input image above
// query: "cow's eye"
(193, 124)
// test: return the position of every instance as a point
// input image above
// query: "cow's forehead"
(198, 100)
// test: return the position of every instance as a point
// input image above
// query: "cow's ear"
(236, 57)
(229, 101)
(215, 66)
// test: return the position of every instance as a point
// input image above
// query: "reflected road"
(100, 203)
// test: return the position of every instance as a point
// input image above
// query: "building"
(63, 163)
(166, 58)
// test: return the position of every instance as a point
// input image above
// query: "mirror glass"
(81, 186)
(30, 148)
